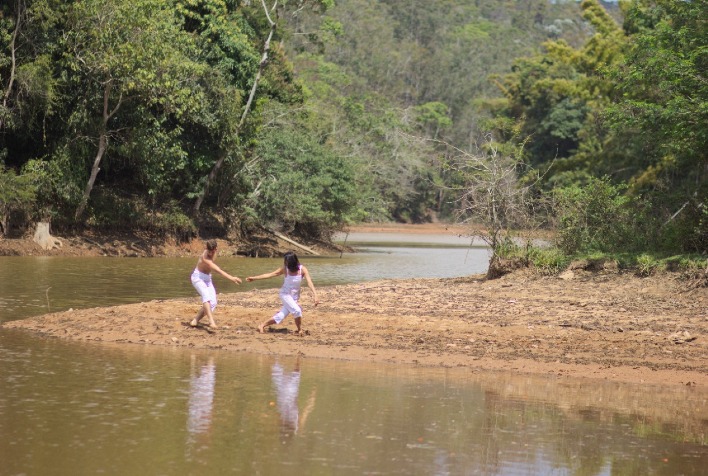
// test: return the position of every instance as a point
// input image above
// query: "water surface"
(71, 408)
(78, 408)
(36, 285)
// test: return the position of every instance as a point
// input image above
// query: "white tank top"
(292, 282)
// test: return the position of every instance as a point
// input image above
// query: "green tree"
(28, 88)
(17, 192)
(300, 185)
(663, 94)
(127, 53)
(268, 15)
(554, 102)
(417, 55)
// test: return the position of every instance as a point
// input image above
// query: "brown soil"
(135, 245)
(604, 325)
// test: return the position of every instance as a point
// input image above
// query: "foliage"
(661, 108)
(56, 191)
(553, 102)
(629, 105)
(390, 167)
(417, 71)
(17, 193)
(300, 186)
(142, 96)
(598, 217)
(660, 113)
(363, 110)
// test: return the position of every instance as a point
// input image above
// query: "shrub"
(17, 193)
(596, 217)
(302, 187)
(549, 261)
(647, 265)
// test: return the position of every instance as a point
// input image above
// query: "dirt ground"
(132, 245)
(601, 325)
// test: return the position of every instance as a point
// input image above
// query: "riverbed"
(424, 375)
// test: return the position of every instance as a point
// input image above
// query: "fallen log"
(292, 242)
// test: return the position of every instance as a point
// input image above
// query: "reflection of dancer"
(290, 292)
(201, 397)
(287, 388)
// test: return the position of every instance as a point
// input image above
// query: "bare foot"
(213, 325)
(194, 322)
(261, 329)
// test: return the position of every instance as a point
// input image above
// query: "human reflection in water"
(287, 388)
(201, 401)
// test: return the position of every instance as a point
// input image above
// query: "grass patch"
(552, 261)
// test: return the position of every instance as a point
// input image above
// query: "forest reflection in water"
(76, 408)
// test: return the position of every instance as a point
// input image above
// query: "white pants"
(290, 306)
(205, 287)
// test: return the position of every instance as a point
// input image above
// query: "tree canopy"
(306, 115)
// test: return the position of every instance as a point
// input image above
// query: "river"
(83, 408)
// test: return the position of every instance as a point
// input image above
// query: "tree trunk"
(102, 145)
(102, 141)
(44, 239)
(4, 221)
(293, 242)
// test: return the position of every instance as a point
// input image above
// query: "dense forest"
(215, 117)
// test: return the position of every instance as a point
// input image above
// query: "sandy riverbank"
(597, 325)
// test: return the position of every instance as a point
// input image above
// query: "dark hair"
(211, 245)
(291, 261)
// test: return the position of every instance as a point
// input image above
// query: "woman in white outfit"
(290, 292)
(201, 280)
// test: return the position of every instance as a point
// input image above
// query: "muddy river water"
(70, 408)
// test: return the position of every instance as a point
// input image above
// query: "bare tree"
(492, 199)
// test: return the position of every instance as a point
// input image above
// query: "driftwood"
(295, 243)
(44, 239)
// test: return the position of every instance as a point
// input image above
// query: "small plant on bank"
(693, 269)
(546, 261)
(647, 265)
(549, 261)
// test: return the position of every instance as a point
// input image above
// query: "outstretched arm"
(215, 267)
(306, 273)
(273, 274)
